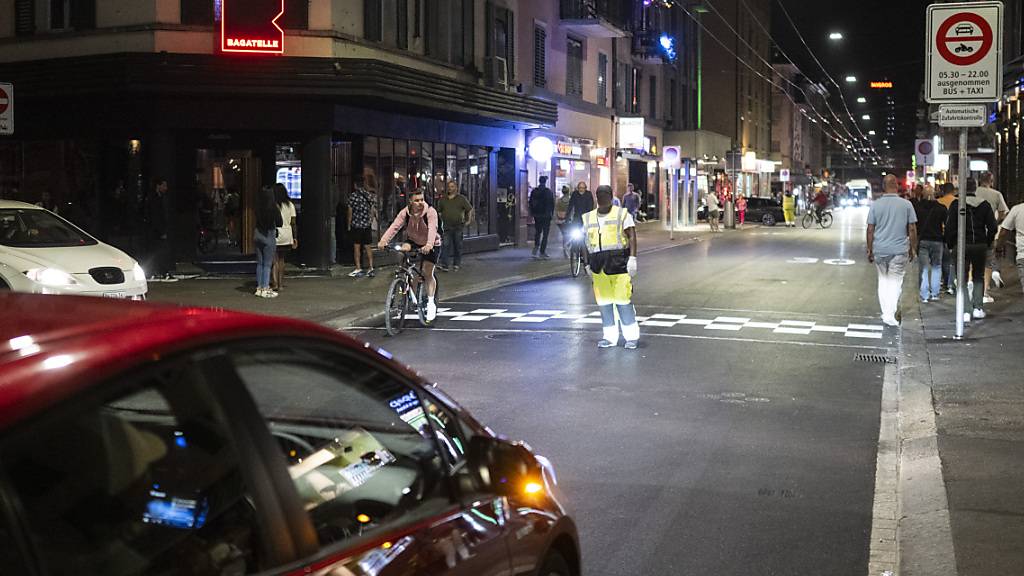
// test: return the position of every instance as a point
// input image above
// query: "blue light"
(668, 44)
(180, 441)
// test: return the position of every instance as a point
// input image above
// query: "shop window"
(574, 67)
(400, 184)
(385, 183)
(437, 185)
(482, 183)
(371, 171)
(197, 12)
(540, 36)
(602, 79)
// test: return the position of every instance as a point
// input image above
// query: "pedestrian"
(287, 236)
(891, 244)
(741, 208)
(455, 212)
(631, 201)
(561, 214)
(931, 216)
(158, 211)
(359, 220)
(979, 232)
(1014, 222)
(999, 208)
(542, 208)
(712, 200)
(268, 220)
(789, 208)
(947, 194)
(611, 263)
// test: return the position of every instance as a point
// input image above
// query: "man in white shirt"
(1014, 222)
(999, 208)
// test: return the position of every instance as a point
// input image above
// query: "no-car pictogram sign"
(5, 100)
(6, 109)
(964, 52)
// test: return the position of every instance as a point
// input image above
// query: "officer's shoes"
(630, 344)
(605, 344)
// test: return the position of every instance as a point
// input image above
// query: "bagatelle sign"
(251, 26)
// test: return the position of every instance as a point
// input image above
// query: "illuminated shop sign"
(251, 26)
(881, 84)
(568, 149)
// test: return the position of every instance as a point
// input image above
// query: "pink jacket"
(416, 230)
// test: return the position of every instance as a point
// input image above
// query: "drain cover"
(878, 358)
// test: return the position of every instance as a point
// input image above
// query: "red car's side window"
(145, 482)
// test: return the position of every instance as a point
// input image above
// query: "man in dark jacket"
(930, 217)
(542, 208)
(979, 233)
(158, 216)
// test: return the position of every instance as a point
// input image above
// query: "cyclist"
(581, 202)
(420, 223)
(820, 203)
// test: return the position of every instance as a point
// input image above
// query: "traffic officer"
(611, 263)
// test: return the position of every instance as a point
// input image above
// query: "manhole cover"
(878, 358)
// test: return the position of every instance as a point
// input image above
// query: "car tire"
(554, 565)
(768, 220)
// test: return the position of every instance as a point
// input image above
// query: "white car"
(44, 253)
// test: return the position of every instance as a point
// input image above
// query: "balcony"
(655, 47)
(596, 18)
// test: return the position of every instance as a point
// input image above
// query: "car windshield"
(35, 228)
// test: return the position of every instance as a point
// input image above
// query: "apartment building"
(797, 138)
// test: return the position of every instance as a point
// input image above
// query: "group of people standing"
(274, 235)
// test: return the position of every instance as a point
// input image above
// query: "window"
(359, 444)
(499, 46)
(24, 17)
(449, 31)
(372, 20)
(574, 67)
(197, 12)
(138, 482)
(602, 79)
(402, 24)
(296, 15)
(652, 97)
(72, 14)
(539, 57)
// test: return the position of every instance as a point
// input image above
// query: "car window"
(31, 228)
(146, 482)
(357, 441)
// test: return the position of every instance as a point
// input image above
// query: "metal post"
(673, 202)
(963, 171)
(681, 203)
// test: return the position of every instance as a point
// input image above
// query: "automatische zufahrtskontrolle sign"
(963, 115)
(963, 55)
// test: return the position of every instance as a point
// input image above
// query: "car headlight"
(51, 277)
(138, 274)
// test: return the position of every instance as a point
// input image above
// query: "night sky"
(883, 40)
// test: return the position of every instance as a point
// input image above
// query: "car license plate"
(114, 295)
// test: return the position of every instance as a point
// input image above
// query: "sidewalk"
(977, 393)
(341, 301)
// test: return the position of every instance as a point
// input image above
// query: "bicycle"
(825, 220)
(208, 238)
(396, 303)
(575, 250)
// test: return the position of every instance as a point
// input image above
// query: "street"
(740, 438)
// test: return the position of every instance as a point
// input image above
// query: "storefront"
(565, 160)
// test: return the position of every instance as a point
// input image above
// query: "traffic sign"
(963, 115)
(671, 157)
(6, 109)
(925, 152)
(964, 57)
(784, 175)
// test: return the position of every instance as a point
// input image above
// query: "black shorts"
(283, 249)
(360, 236)
(432, 257)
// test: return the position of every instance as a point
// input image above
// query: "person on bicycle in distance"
(420, 223)
(581, 202)
(820, 203)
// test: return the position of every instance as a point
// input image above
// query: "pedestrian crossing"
(548, 317)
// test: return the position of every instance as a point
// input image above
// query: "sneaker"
(457, 268)
(934, 298)
(259, 292)
(997, 279)
(631, 344)
(967, 317)
(988, 299)
(979, 313)
(924, 300)
(890, 321)
(534, 253)
(605, 343)
(544, 256)
(951, 291)
(269, 294)
(371, 273)
(431, 310)
(357, 273)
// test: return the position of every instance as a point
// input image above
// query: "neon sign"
(251, 26)
(885, 84)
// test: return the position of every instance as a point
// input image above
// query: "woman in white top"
(287, 238)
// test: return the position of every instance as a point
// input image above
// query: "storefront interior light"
(541, 149)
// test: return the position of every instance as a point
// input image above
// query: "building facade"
(797, 138)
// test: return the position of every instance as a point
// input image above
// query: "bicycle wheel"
(421, 297)
(575, 260)
(808, 220)
(826, 219)
(395, 305)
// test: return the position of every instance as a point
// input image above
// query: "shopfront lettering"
(251, 43)
(251, 26)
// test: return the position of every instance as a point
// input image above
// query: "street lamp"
(865, 117)
(871, 132)
(851, 79)
(862, 100)
(835, 36)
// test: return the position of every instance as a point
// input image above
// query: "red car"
(138, 438)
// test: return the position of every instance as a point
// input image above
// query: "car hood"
(71, 259)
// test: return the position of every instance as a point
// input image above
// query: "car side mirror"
(503, 467)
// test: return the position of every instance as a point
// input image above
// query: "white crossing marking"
(768, 325)
(797, 323)
(852, 334)
(509, 314)
(567, 316)
(449, 313)
(657, 323)
(723, 326)
(694, 321)
(834, 329)
(534, 319)
(732, 320)
(668, 316)
(865, 327)
(489, 311)
(641, 318)
(546, 312)
(790, 330)
(598, 313)
(468, 318)
(589, 321)
(412, 316)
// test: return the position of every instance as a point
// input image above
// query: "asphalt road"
(739, 439)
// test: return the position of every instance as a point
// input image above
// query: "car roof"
(16, 204)
(53, 347)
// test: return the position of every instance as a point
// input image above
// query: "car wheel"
(768, 220)
(554, 565)
(4, 285)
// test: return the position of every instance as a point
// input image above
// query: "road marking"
(531, 319)
(509, 314)
(589, 321)
(731, 320)
(470, 318)
(694, 321)
(769, 325)
(489, 311)
(659, 323)
(734, 327)
(797, 323)
(702, 308)
(853, 334)
(790, 330)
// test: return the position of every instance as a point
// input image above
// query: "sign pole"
(961, 237)
(674, 201)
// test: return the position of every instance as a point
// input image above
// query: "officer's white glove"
(631, 266)
(589, 271)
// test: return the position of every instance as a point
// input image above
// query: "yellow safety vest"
(605, 232)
